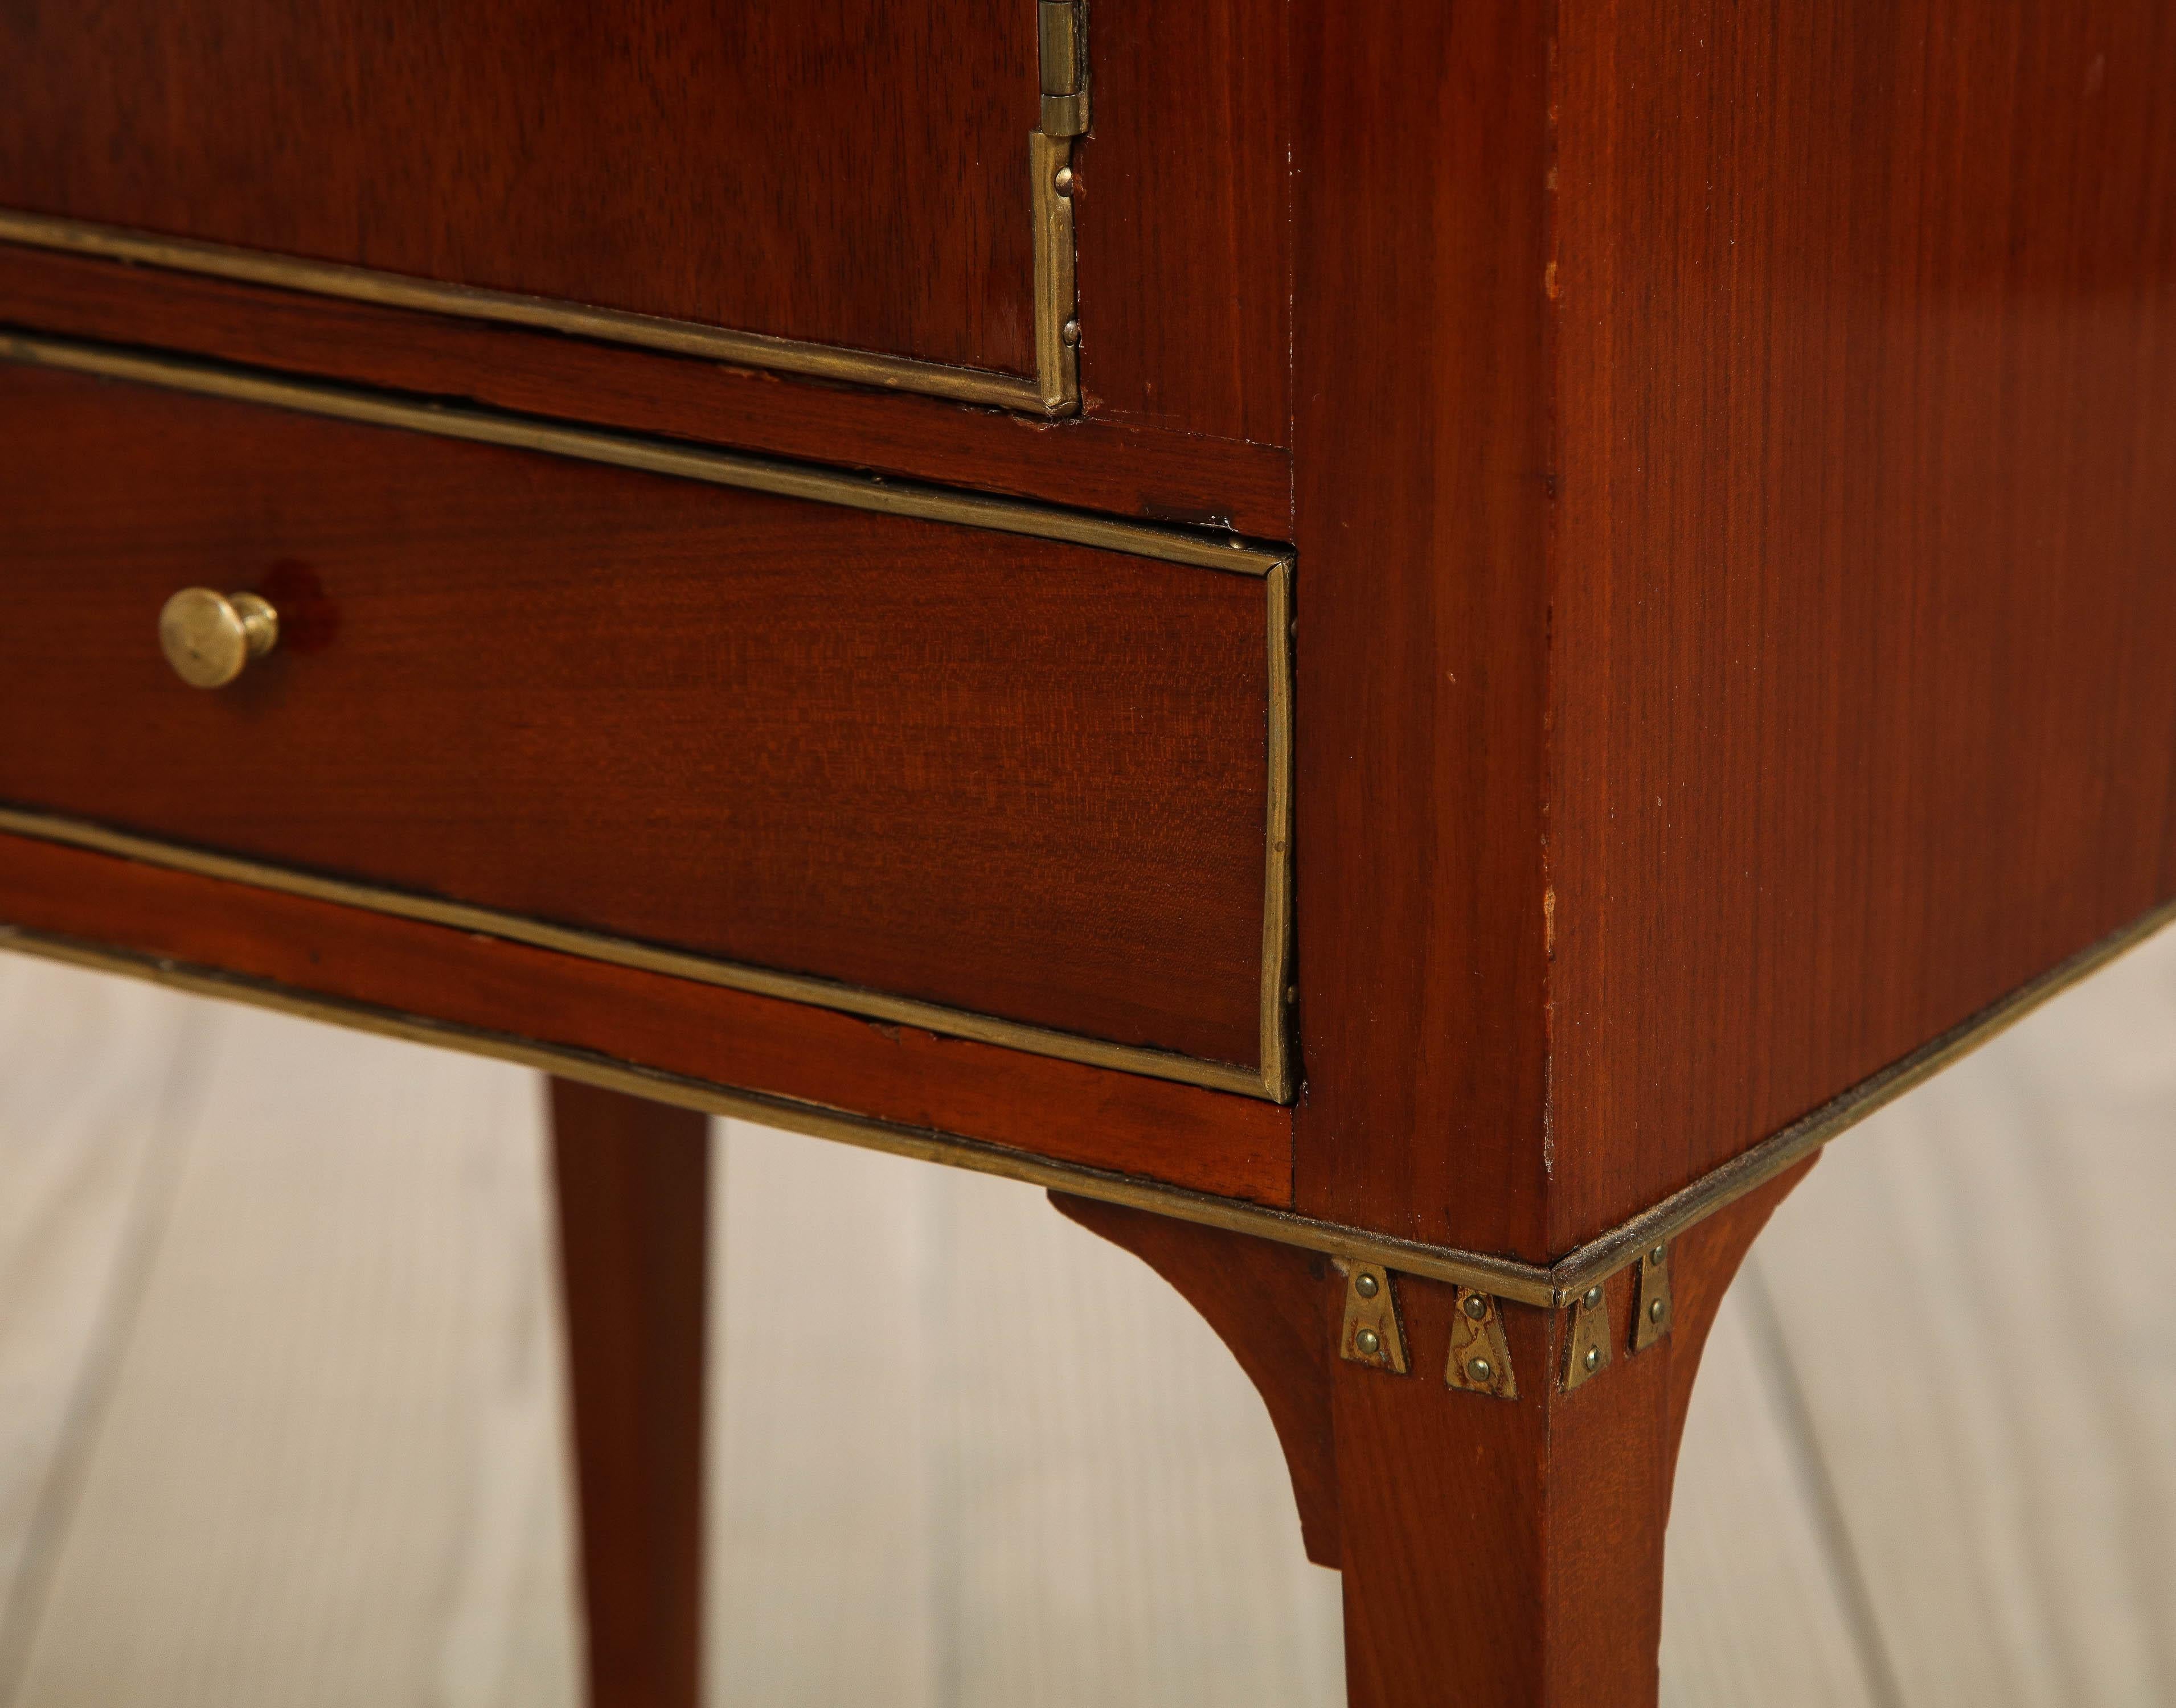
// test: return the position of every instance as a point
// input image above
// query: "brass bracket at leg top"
(1370, 1333)
(1480, 1360)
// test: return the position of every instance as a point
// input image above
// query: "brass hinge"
(1063, 43)
(1063, 26)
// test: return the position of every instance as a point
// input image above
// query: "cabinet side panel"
(1867, 608)
(1421, 450)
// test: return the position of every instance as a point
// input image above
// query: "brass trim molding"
(1724, 1184)
(1272, 1079)
(1053, 390)
(1552, 1288)
(1203, 549)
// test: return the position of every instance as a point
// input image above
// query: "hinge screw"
(1368, 1342)
(1070, 332)
(1593, 1298)
(1480, 1369)
(1654, 1311)
(1593, 1359)
(1476, 1306)
(1063, 183)
(1367, 1286)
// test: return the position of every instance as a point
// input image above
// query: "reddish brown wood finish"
(1422, 491)
(633, 1184)
(1093, 463)
(839, 171)
(1276, 1308)
(844, 172)
(1495, 1552)
(1734, 650)
(1182, 213)
(1010, 776)
(1865, 603)
(1209, 1141)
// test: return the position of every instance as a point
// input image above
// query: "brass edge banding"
(595, 945)
(646, 455)
(1515, 1281)
(1724, 1184)
(1017, 392)
(1229, 555)
(1276, 874)
(1503, 1278)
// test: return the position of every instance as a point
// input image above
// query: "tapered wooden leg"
(1496, 1553)
(633, 1186)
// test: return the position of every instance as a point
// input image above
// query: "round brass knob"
(209, 637)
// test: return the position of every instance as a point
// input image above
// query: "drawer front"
(850, 188)
(796, 740)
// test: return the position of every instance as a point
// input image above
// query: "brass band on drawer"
(897, 373)
(1550, 1286)
(1272, 1079)
(1203, 548)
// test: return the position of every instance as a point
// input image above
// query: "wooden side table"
(1406, 654)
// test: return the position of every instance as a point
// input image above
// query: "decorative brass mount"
(1652, 1309)
(1480, 1351)
(1586, 1347)
(1371, 1334)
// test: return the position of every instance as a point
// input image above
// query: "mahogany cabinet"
(1405, 652)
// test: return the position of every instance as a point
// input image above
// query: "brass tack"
(1654, 1311)
(1593, 1298)
(1367, 1286)
(1480, 1369)
(1593, 1359)
(1070, 332)
(1063, 181)
(1477, 1307)
(1656, 1255)
(1368, 1342)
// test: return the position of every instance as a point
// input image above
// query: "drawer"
(849, 189)
(999, 771)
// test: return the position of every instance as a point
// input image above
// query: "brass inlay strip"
(621, 951)
(1277, 1074)
(1504, 1278)
(1607, 1253)
(1228, 553)
(1021, 392)
(650, 456)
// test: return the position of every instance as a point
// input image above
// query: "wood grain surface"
(1213, 1142)
(631, 1182)
(1012, 776)
(1541, 1520)
(1093, 462)
(1276, 1309)
(1423, 621)
(282, 1296)
(1182, 209)
(845, 173)
(1865, 593)
(838, 171)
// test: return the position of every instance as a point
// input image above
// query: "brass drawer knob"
(209, 637)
